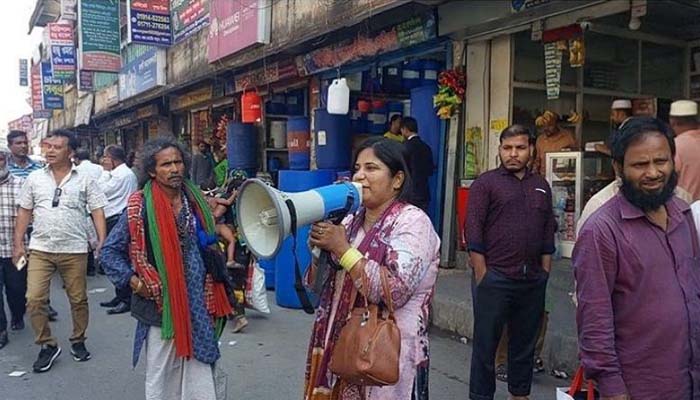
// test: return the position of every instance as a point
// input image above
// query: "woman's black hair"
(636, 128)
(393, 155)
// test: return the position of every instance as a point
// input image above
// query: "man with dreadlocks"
(180, 301)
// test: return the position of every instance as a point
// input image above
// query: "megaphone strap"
(298, 284)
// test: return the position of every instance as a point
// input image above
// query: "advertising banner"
(51, 88)
(62, 50)
(68, 11)
(86, 81)
(23, 72)
(188, 17)
(37, 96)
(149, 22)
(144, 70)
(99, 35)
(236, 25)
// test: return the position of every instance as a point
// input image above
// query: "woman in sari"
(386, 233)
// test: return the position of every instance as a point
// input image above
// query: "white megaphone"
(266, 216)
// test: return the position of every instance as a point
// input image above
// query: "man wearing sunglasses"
(56, 198)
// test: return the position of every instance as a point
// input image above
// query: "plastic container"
(411, 74)
(338, 97)
(251, 107)
(274, 164)
(391, 79)
(242, 146)
(295, 102)
(364, 106)
(358, 122)
(431, 70)
(298, 143)
(278, 134)
(332, 140)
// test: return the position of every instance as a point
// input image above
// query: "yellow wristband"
(350, 258)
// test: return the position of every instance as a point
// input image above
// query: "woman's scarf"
(166, 280)
(318, 386)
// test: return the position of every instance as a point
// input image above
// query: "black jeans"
(123, 294)
(500, 300)
(14, 284)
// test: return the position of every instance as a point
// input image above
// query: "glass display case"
(575, 177)
(564, 173)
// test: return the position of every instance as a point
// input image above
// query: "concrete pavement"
(266, 361)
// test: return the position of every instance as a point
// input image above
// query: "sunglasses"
(56, 197)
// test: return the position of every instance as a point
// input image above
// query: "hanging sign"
(236, 25)
(68, 12)
(51, 89)
(188, 17)
(149, 22)
(23, 72)
(144, 69)
(62, 48)
(99, 35)
(552, 67)
(86, 82)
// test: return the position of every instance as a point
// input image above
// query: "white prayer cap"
(684, 108)
(621, 104)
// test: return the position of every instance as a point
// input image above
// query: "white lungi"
(169, 377)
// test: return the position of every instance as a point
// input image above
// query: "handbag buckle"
(365, 318)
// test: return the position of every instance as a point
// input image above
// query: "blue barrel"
(411, 74)
(296, 181)
(298, 143)
(269, 267)
(391, 79)
(242, 146)
(377, 120)
(332, 140)
(431, 69)
(274, 164)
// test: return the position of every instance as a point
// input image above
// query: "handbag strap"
(387, 292)
(577, 382)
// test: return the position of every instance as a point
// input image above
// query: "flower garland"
(451, 91)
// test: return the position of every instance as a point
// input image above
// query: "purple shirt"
(510, 221)
(638, 291)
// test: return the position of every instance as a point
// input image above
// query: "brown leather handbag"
(368, 349)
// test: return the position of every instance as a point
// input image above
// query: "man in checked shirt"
(13, 281)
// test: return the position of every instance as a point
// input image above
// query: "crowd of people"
(170, 246)
(635, 260)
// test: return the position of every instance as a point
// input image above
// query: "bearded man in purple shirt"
(510, 230)
(637, 269)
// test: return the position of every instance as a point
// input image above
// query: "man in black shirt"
(420, 162)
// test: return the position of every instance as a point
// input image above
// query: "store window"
(662, 70)
(612, 63)
(529, 67)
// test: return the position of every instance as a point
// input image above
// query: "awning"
(45, 11)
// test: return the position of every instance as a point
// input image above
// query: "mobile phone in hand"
(21, 263)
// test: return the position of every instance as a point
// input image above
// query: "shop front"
(575, 64)
(390, 72)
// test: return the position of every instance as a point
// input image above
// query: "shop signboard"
(192, 98)
(148, 22)
(273, 72)
(188, 17)
(236, 25)
(68, 12)
(62, 50)
(23, 123)
(23, 72)
(99, 35)
(144, 69)
(51, 88)
(408, 33)
(37, 97)
(86, 81)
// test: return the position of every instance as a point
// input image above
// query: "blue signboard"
(51, 88)
(63, 62)
(143, 70)
(23, 72)
(150, 22)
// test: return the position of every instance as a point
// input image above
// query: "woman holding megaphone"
(370, 336)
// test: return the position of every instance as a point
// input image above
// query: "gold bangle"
(350, 258)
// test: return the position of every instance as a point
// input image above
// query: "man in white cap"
(620, 112)
(684, 122)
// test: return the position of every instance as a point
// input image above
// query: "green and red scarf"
(166, 280)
